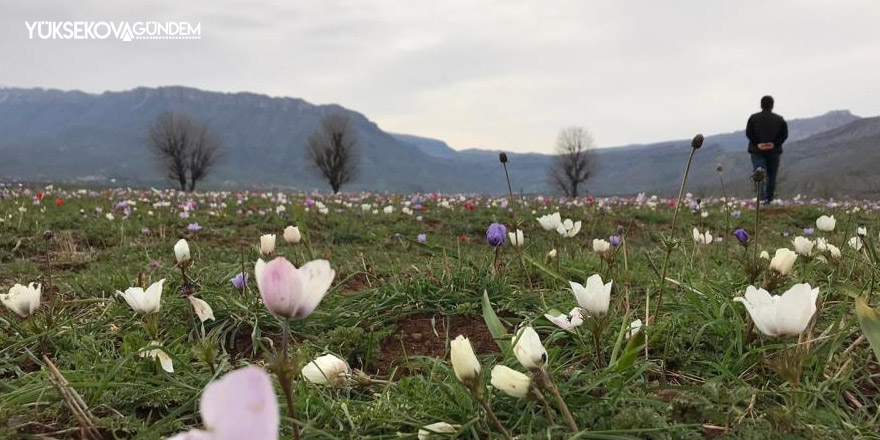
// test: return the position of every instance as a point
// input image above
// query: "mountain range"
(72, 136)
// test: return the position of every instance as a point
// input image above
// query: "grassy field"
(396, 302)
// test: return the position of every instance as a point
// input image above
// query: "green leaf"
(869, 320)
(634, 346)
(544, 268)
(496, 327)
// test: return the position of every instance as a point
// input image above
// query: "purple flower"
(736, 214)
(614, 240)
(193, 227)
(145, 231)
(422, 238)
(240, 281)
(496, 235)
(742, 236)
(809, 231)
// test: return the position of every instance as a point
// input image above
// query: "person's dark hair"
(767, 103)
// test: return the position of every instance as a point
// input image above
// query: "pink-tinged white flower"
(23, 300)
(510, 382)
(594, 297)
(784, 315)
(528, 349)
(241, 405)
(326, 370)
(566, 322)
(141, 301)
(202, 308)
(289, 292)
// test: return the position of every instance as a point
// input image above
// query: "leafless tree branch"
(574, 161)
(333, 150)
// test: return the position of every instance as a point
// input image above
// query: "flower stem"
(492, 418)
(669, 246)
(285, 378)
(540, 397)
(548, 385)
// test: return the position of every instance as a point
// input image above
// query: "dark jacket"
(766, 126)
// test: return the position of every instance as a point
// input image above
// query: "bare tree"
(204, 154)
(185, 148)
(333, 150)
(574, 161)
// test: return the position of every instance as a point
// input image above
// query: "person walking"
(766, 131)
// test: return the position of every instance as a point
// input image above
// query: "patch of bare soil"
(426, 335)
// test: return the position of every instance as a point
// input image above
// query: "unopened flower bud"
(697, 142)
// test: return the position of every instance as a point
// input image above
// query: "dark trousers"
(770, 163)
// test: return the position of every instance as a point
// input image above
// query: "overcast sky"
(484, 73)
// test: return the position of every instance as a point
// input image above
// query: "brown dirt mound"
(415, 336)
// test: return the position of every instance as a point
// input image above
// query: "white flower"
(291, 235)
(153, 351)
(826, 223)
(702, 238)
(326, 370)
(516, 238)
(862, 231)
(821, 244)
(181, 251)
(552, 254)
(566, 322)
(855, 243)
(437, 428)
(550, 222)
(595, 296)
(783, 315)
(803, 246)
(634, 328)
(22, 300)
(510, 382)
(144, 302)
(202, 308)
(388, 209)
(783, 261)
(464, 361)
(528, 349)
(834, 251)
(569, 228)
(600, 245)
(267, 244)
(765, 255)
